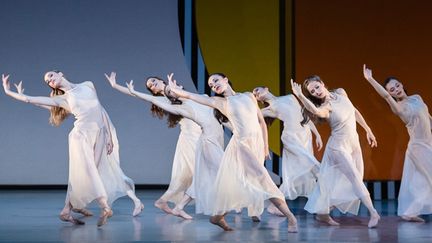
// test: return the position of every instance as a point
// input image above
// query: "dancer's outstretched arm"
(322, 111)
(112, 80)
(318, 140)
(160, 101)
(36, 100)
(215, 102)
(367, 73)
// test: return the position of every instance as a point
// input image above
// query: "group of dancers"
(221, 180)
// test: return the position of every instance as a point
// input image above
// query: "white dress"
(298, 160)
(340, 180)
(208, 156)
(92, 172)
(415, 194)
(242, 180)
(184, 161)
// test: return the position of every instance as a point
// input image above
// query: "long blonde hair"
(57, 114)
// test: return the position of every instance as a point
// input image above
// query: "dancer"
(299, 166)
(340, 183)
(242, 180)
(184, 158)
(415, 194)
(209, 150)
(94, 167)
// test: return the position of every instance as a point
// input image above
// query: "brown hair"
(307, 115)
(57, 114)
(172, 119)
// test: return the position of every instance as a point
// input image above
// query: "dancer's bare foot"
(272, 209)
(216, 220)
(292, 224)
(138, 209)
(163, 205)
(373, 221)
(416, 219)
(82, 211)
(68, 218)
(105, 214)
(256, 219)
(325, 218)
(181, 213)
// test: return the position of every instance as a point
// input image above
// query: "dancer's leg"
(106, 211)
(178, 209)
(283, 207)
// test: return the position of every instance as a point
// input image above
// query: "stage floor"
(33, 216)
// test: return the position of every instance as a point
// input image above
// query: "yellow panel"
(241, 39)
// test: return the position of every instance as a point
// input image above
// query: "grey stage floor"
(33, 216)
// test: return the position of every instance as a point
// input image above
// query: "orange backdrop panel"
(334, 38)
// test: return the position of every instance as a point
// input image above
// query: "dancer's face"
(395, 89)
(155, 85)
(218, 84)
(260, 93)
(53, 79)
(317, 89)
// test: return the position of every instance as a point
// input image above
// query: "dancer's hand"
(367, 73)
(296, 88)
(111, 78)
(267, 154)
(6, 84)
(371, 139)
(130, 86)
(19, 88)
(319, 143)
(174, 87)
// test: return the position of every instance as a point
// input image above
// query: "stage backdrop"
(86, 39)
(335, 38)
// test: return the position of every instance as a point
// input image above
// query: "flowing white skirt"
(208, 157)
(92, 172)
(242, 180)
(298, 162)
(183, 166)
(415, 194)
(340, 180)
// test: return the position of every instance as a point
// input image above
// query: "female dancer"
(242, 180)
(299, 166)
(415, 194)
(209, 150)
(340, 183)
(184, 157)
(94, 167)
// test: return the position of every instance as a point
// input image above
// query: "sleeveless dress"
(415, 194)
(242, 180)
(184, 161)
(208, 156)
(340, 180)
(92, 172)
(297, 156)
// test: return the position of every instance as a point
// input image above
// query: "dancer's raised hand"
(296, 88)
(19, 87)
(111, 78)
(6, 84)
(130, 86)
(367, 73)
